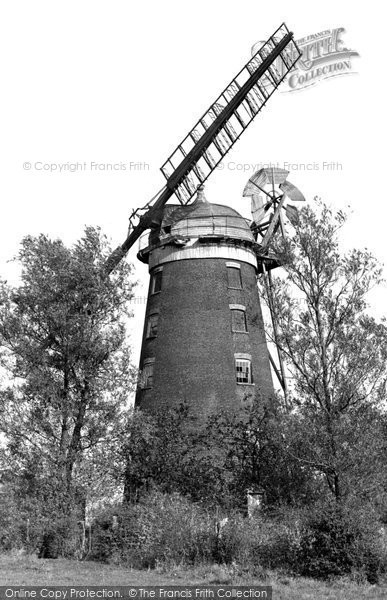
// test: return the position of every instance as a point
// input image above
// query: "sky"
(96, 83)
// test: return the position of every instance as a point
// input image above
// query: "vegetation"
(319, 457)
(23, 570)
(67, 375)
(336, 354)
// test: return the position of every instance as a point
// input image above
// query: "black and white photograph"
(193, 334)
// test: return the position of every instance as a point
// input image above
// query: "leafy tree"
(253, 457)
(215, 464)
(159, 449)
(335, 352)
(65, 361)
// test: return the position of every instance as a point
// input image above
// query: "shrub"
(10, 524)
(277, 543)
(165, 529)
(336, 541)
(161, 528)
(28, 528)
(269, 542)
(168, 529)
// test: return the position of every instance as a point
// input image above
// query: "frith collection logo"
(323, 56)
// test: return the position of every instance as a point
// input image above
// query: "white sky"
(116, 81)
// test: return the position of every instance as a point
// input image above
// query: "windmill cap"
(203, 218)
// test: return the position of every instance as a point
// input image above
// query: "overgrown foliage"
(215, 464)
(160, 528)
(320, 459)
(166, 530)
(337, 540)
(66, 366)
(335, 352)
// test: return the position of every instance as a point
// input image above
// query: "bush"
(28, 528)
(161, 528)
(11, 536)
(60, 537)
(336, 541)
(278, 541)
(167, 529)
(270, 542)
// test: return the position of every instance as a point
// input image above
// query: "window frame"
(157, 275)
(243, 362)
(148, 332)
(234, 265)
(242, 309)
(240, 357)
(147, 372)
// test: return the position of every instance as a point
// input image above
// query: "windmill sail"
(222, 124)
(216, 132)
(269, 190)
(292, 214)
(258, 208)
(268, 176)
(292, 192)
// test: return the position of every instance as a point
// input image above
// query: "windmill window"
(156, 281)
(243, 370)
(146, 379)
(238, 318)
(152, 325)
(234, 279)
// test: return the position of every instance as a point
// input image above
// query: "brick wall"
(194, 348)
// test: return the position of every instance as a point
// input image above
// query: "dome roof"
(203, 218)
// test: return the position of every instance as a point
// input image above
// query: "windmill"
(203, 340)
(270, 193)
(215, 133)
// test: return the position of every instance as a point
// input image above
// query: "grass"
(21, 570)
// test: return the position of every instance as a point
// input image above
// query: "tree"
(65, 360)
(164, 449)
(215, 464)
(335, 352)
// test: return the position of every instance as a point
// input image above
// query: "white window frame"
(244, 358)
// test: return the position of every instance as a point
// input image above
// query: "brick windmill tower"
(203, 339)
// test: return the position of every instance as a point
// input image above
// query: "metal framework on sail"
(223, 123)
(269, 190)
(216, 132)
